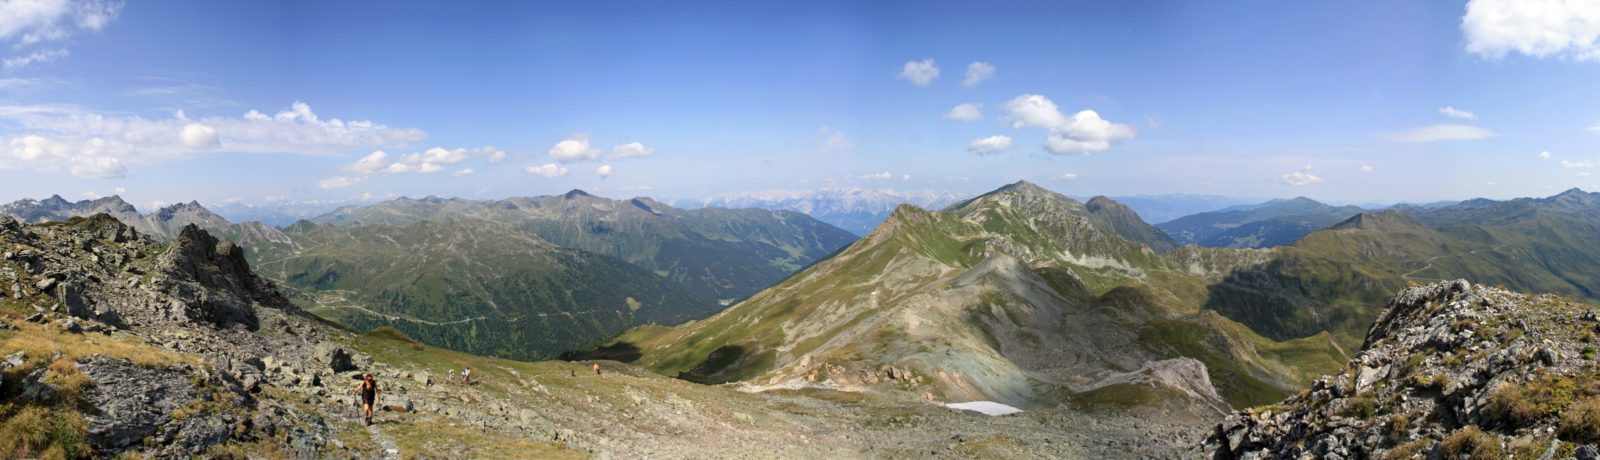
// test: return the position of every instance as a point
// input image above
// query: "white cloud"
(1491, 183)
(26, 23)
(1437, 133)
(463, 172)
(427, 162)
(836, 142)
(1538, 28)
(631, 149)
(920, 73)
(1596, 127)
(36, 57)
(879, 176)
(98, 167)
(905, 177)
(1545, 155)
(195, 135)
(497, 157)
(574, 148)
(990, 145)
(548, 170)
(1453, 112)
(603, 170)
(68, 133)
(1579, 164)
(1366, 168)
(977, 72)
(1083, 132)
(964, 112)
(338, 182)
(1069, 177)
(1301, 177)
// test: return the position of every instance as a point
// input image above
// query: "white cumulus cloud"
(463, 172)
(1538, 28)
(1299, 178)
(603, 170)
(1084, 132)
(548, 170)
(199, 136)
(1366, 168)
(836, 141)
(1069, 177)
(977, 72)
(964, 112)
(574, 148)
(920, 73)
(990, 145)
(1453, 112)
(631, 149)
(1443, 132)
(426, 162)
(1545, 155)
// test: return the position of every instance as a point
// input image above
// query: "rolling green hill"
(715, 253)
(478, 286)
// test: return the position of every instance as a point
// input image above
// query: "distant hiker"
(452, 376)
(368, 389)
(596, 368)
(466, 376)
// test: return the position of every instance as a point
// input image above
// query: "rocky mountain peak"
(576, 193)
(212, 280)
(1450, 368)
(55, 200)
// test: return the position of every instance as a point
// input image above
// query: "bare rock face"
(1450, 370)
(211, 281)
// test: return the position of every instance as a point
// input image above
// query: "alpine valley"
(1078, 313)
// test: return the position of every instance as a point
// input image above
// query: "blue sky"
(1349, 102)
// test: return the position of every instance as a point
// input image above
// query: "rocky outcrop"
(1449, 370)
(211, 281)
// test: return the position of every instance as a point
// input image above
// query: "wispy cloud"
(964, 112)
(1453, 112)
(990, 145)
(27, 25)
(36, 57)
(978, 72)
(1443, 132)
(49, 138)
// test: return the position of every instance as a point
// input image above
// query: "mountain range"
(1273, 223)
(854, 209)
(524, 277)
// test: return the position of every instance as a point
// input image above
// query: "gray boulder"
(335, 357)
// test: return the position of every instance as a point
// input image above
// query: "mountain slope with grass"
(715, 253)
(1331, 280)
(482, 287)
(1022, 296)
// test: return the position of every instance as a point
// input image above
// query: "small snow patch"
(990, 408)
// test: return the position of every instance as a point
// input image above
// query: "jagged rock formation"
(1451, 369)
